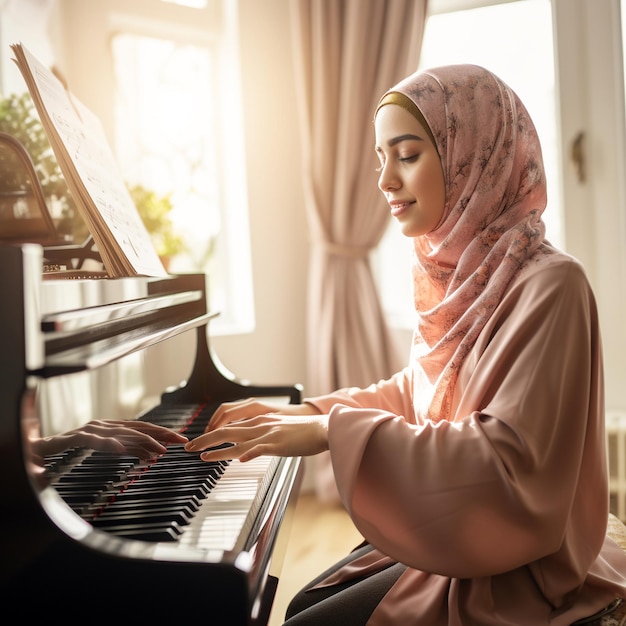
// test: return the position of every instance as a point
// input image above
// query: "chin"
(409, 232)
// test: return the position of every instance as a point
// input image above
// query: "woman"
(477, 475)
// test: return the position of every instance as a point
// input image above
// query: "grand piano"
(92, 536)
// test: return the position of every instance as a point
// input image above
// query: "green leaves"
(19, 118)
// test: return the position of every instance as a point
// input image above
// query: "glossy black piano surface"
(87, 534)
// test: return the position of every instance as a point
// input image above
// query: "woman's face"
(411, 177)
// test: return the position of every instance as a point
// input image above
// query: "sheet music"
(92, 173)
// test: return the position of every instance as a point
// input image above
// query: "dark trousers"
(348, 604)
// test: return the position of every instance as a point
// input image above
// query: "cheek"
(429, 183)
(432, 192)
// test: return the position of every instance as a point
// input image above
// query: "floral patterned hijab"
(495, 195)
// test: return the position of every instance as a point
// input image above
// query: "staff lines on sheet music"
(92, 173)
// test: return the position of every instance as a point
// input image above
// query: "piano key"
(167, 516)
(224, 512)
(156, 492)
(146, 532)
(166, 487)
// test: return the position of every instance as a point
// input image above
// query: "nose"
(387, 180)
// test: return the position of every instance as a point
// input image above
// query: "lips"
(397, 208)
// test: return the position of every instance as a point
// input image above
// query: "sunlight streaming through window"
(165, 140)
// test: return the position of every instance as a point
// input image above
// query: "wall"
(275, 351)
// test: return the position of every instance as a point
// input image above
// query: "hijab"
(491, 226)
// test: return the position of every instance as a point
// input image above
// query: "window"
(178, 131)
(475, 31)
(163, 77)
(165, 136)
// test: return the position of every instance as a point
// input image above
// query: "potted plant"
(154, 210)
(19, 118)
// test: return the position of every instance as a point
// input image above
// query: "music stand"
(24, 214)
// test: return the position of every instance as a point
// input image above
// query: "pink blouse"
(500, 513)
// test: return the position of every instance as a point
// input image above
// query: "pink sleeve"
(497, 487)
(393, 395)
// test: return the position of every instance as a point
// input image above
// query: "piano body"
(88, 534)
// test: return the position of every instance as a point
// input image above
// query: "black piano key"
(150, 493)
(109, 458)
(79, 500)
(147, 532)
(129, 499)
(137, 507)
(175, 460)
(164, 473)
(187, 505)
(166, 516)
(93, 482)
(165, 476)
(173, 487)
(127, 496)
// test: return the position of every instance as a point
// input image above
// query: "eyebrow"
(407, 137)
(400, 138)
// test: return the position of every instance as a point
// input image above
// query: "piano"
(90, 535)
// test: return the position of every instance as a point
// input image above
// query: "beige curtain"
(347, 53)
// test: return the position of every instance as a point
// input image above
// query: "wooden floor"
(321, 534)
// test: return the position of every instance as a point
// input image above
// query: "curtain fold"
(347, 53)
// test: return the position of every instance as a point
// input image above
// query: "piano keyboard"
(175, 497)
(231, 506)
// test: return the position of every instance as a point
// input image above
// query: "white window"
(178, 132)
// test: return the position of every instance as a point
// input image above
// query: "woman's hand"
(251, 407)
(141, 439)
(288, 430)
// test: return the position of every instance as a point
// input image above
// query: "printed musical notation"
(91, 171)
